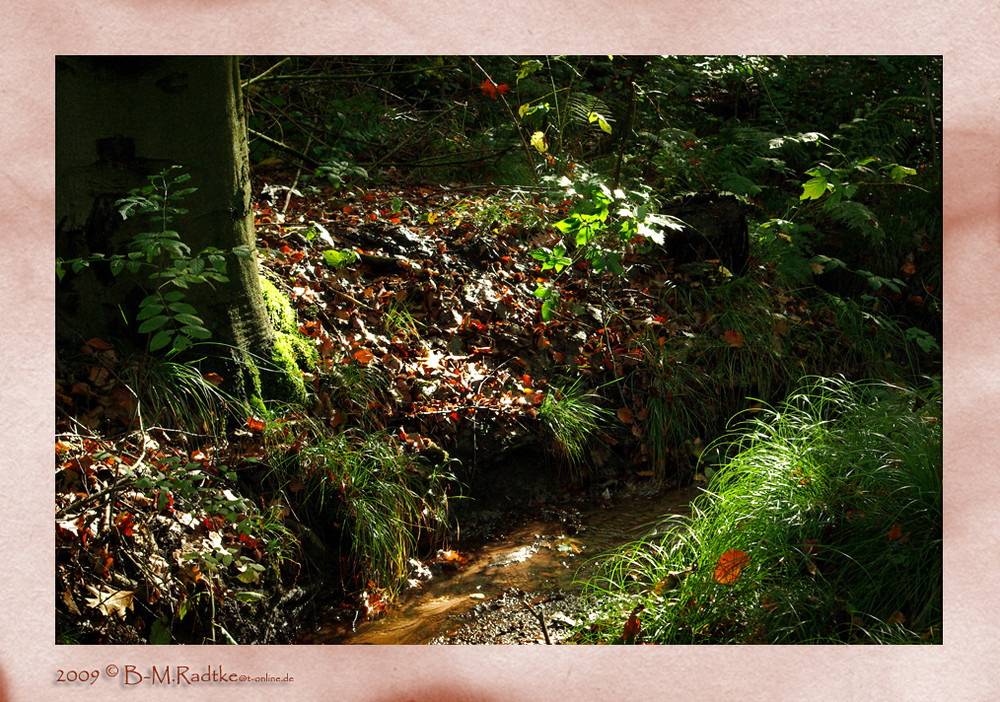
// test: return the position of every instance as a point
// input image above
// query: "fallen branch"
(541, 620)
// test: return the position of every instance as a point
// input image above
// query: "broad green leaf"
(196, 331)
(148, 310)
(182, 342)
(527, 68)
(182, 308)
(159, 634)
(547, 309)
(899, 172)
(161, 339)
(568, 225)
(188, 319)
(153, 324)
(339, 259)
(815, 188)
(250, 596)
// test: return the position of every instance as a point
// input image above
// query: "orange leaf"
(98, 344)
(489, 90)
(625, 414)
(364, 356)
(255, 424)
(895, 532)
(909, 268)
(730, 563)
(734, 339)
(632, 626)
(213, 378)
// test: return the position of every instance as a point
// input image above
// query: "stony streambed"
(497, 595)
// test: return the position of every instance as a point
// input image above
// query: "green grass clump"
(380, 499)
(832, 509)
(572, 419)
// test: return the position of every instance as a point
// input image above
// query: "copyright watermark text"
(129, 675)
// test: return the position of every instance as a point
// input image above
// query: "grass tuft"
(572, 418)
(835, 500)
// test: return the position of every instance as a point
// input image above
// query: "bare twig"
(253, 80)
(541, 620)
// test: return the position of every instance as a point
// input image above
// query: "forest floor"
(435, 288)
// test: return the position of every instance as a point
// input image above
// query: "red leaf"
(895, 532)
(255, 424)
(730, 563)
(632, 626)
(734, 339)
(213, 378)
(489, 90)
(124, 523)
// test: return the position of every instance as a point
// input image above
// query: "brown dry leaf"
(110, 601)
(733, 338)
(67, 599)
(625, 414)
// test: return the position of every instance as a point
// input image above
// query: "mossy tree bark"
(120, 119)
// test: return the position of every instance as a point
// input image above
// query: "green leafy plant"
(599, 229)
(339, 170)
(164, 315)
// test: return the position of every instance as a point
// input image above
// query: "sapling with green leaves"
(598, 229)
(163, 314)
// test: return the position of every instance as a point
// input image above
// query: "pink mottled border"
(33, 31)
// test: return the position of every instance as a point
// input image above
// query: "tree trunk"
(118, 120)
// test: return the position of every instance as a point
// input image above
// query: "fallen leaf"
(733, 338)
(729, 565)
(363, 356)
(111, 601)
(213, 378)
(96, 344)
(625, 414)
(632, 626)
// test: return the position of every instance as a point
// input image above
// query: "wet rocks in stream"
(508, 619)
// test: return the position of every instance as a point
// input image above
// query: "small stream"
(537, 556)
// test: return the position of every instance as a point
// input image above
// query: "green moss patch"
(292, 352)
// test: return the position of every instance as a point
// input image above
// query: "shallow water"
(539, 555)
